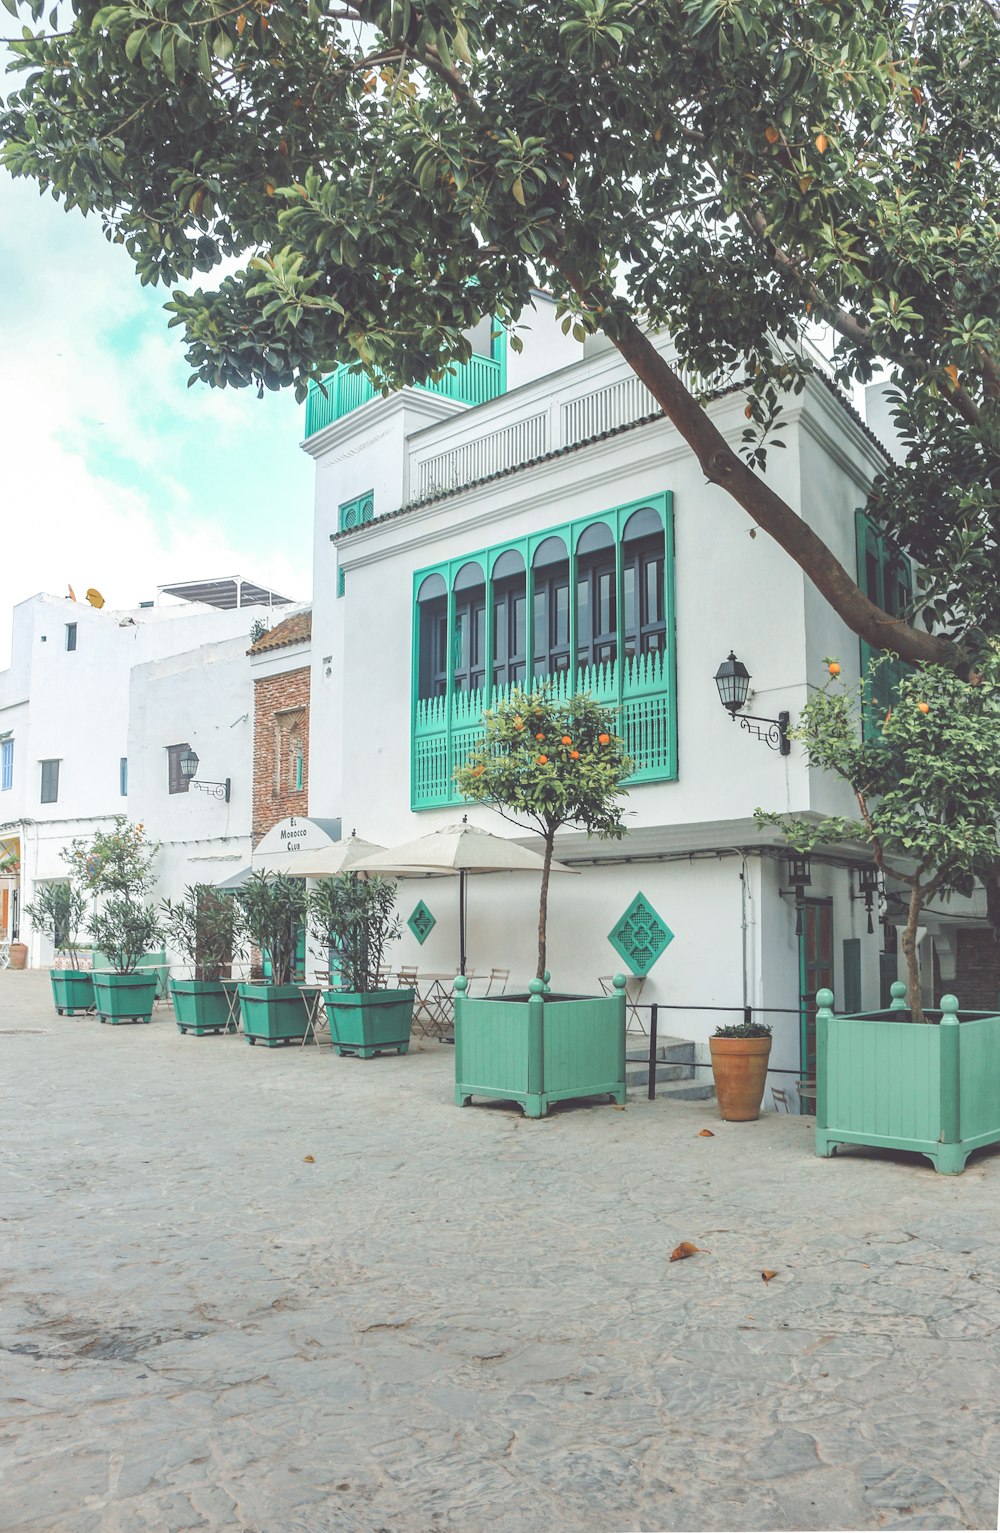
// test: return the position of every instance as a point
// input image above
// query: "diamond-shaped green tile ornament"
(640, 936)
(421, 923)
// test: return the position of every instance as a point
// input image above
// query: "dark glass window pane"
(628, 592)
(562, 614)
(519, 615)
(583, 633)
(606, 603)
(500, 629)
(541, 622)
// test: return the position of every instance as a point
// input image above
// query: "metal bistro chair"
(780, 1099)
(497, 982)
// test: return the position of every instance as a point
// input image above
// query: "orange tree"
(545, 764)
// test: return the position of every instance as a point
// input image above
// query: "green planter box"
(273, 1014)
(72, 991)
(200, 1006)
(369, 1022)
(539, 1048)
(124, 997)
(932, 1087)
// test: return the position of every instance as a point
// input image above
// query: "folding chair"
(807, 1095)
(498, 978)
(780, 1099)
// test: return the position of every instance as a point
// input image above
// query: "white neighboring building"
(64, 724)
(562, 529)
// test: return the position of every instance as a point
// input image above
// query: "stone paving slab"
(458, 1318)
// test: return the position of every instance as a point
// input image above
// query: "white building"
(560, 528)
(72, 757)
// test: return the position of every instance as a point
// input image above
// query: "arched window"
(432, 638)
(550, 579)
(644, 626)
(510, 609)
(596, 597)
(470, 628)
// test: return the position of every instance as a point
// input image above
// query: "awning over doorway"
(277, 851)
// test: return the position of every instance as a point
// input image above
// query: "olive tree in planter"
(59, 910)
(545, 764)
(116, 867)
(354, 917)
(927, 788)
(273, 909)
(202, 928)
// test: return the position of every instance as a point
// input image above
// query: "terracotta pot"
(740, 1069)
(18, 955)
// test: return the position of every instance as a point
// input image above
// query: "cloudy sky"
(113, 472)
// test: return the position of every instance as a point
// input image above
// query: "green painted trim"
(421, 922)
(894, 573)
(640, 956)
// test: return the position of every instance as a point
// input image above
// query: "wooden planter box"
(200, 1006)
(883, 1080)
(539, 1048)
(72, 991)
(369, 1022)
(273, 1014)
(124, 997)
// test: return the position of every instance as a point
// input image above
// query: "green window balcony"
(591, 604)
(482, 378)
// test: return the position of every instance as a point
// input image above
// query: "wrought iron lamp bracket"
(775, 735)
(216, 789)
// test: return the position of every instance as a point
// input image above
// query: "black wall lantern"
(733, 681)
(870, 888)
(799, 871)
(189, 766)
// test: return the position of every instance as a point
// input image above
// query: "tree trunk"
(543, 902)
(724, 467)
(910, 952)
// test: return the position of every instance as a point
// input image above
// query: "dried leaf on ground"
(767, 1274)
(684, 1250)
(310, 1160)
(705, 1133)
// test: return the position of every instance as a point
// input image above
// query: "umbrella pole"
(461, 919)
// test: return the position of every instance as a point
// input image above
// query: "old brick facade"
(977, 970)
(281, 730)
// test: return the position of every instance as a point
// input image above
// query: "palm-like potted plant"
(116, 867)
(202, 928)
(354, 918)
(927, 789)
(545, 764)
(59, 910)
(273, 910)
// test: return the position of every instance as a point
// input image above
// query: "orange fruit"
(574, 755)
(834, 668)
(772, 135)
(543, 761)
(566, 740)
(821, 142)
(539, 737)
(604, 739)
(924, 707)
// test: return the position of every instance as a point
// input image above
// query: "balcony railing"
(447, 729)
(471, 383)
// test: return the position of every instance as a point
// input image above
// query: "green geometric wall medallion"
(640, 936)
(421, 923)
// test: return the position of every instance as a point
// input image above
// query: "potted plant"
(545, 764)
(201, 927)
(116, 867)
(273, 910)
(59, 909)
(927, 787)
(740, 1052)
(353, 917)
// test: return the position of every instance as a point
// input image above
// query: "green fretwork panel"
(640, 936)
(421, 923)
(354, 513)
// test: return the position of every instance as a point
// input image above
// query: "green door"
(815, 973)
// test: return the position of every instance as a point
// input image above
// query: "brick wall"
(977, 970)
(280, 722)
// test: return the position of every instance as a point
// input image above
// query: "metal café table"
(434, 1003)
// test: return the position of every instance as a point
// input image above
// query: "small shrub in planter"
(202, 928)
(740, 1052)
(353, 916)
(59, 910)
(272, 911)
(545, 764)
(117, 868)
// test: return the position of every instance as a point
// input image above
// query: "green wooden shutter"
(852, 975)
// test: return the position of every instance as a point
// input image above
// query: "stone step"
(675, 1051)
(691, 1091)
(638, 1074)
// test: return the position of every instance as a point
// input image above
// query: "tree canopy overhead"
(733, 171)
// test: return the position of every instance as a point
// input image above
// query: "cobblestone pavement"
(463, 1319)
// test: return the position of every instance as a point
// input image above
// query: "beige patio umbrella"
(458, 850)
(340, 857)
